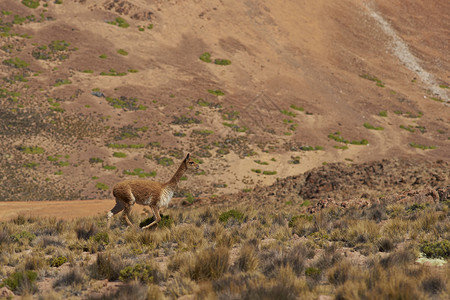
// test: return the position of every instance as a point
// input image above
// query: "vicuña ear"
(187, 156)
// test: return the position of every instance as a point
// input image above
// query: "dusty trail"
(65, 210)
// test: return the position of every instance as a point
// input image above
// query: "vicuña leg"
(156, 216)
(126, 214)
(115, 210)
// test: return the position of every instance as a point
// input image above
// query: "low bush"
(439, 249)
(137, 272)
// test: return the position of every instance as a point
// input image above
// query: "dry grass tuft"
(210, 263)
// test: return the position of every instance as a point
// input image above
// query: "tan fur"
(147, 192)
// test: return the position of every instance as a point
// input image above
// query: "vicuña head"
(147, 192)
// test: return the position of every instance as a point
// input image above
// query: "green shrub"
(297, 108)
(269, 172)
(222, 62)
(60, 82)
(206, 57)
(216, 92)
(31, 3)
(16, 63)
(122, 52)
(138, 272)
(21, 281)
(108, 167)
(166, 221)
(370, 126)
(382, 113)
(101, 238)
(420, 146)
(437, 249)
(23, 237)
(102, 186)
(288, 113)
(313, 272)
(140, 172)
(59, 45)
(231, 214)
(372, 78)
(119, 154)
(119, 22)
(32, 150)
(123, 146)
(94, 160)
(57, 261)
(164, 161)
(409, 128)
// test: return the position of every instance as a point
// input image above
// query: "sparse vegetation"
(122, 52)
(420, 146)
(370, 126)
(206, 57)
(372, 78)
(119, 22)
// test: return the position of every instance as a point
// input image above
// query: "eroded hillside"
(96, 91)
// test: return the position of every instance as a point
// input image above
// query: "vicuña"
(147, 192)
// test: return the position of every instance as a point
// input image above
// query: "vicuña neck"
(177, 176)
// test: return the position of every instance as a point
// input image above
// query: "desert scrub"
(216, 92)
(269, 172)
(57, 261)
(383, 113)
(31, 149)
(166, 221)
(95, 160)
(231, 214)
(372, 78)
(23, 238)
(60, 82)
(102, 186)
(31, 3)
(140, 272)
(125, 103)
(206, 57)
(113, 72)
(164, 161)
(209, 264)
(16, 63)
(370, 126)
(119, 22)
(297, 108)
(109, 167)
(420, 146)
(21, 282)
(203, 132)
(235, 127)
(183, 120)
(439, 249)
(338, 138)
(222, 62)
(311, 148)
(140, 173)
(122, 52)
(408, 128)
(119, 154)
(288, 113)
(261, 162)
(125, 146)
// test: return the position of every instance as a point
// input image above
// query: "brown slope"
(310, 55)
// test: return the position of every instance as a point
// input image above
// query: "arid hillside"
(92, 92)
